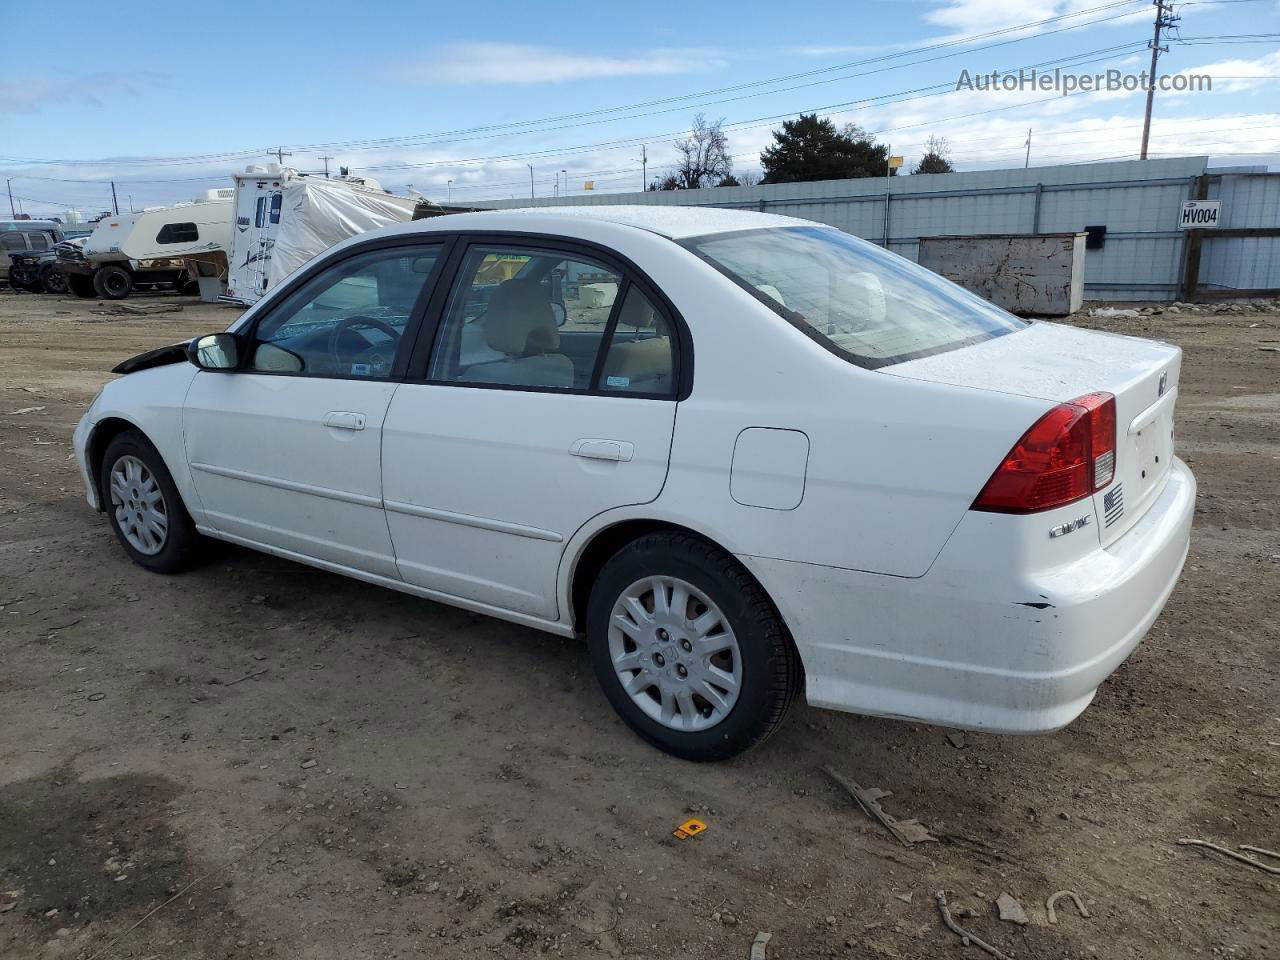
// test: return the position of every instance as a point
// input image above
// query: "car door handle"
(341, 420)
(603, 449)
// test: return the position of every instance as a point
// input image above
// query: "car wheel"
(144, 507)
(689, 649)
(53, 281)
(81, 285)
(113, 282)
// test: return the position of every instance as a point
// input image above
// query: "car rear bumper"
(986, 640)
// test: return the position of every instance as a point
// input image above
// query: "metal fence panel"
(1141, 258)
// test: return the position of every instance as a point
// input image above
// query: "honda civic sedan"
(747, 457)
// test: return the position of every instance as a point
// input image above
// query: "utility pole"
(1165, 18)
(9, 185)
(281, 153)
(644, 166)
(1026, 163)
(530, 166)
(326, 166)
(115, 205)
(450, 191)
(131, 203)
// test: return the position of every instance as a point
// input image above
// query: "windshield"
(863, 303)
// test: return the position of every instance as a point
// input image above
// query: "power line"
(378, 143)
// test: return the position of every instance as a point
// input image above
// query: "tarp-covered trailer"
(284, 218)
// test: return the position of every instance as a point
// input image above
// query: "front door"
(549, 398)
(285, 451)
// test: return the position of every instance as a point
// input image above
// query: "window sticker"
(361, 369)
(617, 381)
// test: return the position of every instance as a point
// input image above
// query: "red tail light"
(1067, 455)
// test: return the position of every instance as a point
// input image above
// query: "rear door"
(547, 397)
(285, 451)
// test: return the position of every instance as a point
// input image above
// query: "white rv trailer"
(284, 218)
(159, 245)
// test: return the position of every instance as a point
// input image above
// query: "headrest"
(636, 311)
(520, 320)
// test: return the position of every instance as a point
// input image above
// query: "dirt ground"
(258, 760)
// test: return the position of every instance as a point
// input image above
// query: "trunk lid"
(1056, 363)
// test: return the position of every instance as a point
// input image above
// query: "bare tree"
(704, 155)
(937, 157)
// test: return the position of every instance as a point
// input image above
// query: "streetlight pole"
(450, 190)
(566, 182)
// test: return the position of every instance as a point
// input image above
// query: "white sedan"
(746, 456)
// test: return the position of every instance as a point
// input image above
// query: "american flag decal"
(1113, 504)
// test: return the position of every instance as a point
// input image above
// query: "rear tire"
(699, 663)
(144, 507)
(113, 282)
(81, 286)
(53, 281)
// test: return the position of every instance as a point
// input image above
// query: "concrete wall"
(1040, 275)
(1137, 201)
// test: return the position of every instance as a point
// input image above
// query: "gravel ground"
(260, 760)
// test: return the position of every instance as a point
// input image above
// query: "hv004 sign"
(1200, 214)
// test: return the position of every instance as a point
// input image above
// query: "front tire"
(113, 282)
(53, 281)
(144, 508)
(689, 649)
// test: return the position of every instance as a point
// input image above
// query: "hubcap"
(139, 505)
(675, 653)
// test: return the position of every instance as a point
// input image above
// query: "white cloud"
(968, 17)
(35, 93)
(517, 64)
(1234, 76)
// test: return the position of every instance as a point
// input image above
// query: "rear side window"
(537, 318)
(13, 241)
(38, 241)
(861, 302)
(640, 357)
(525, 317)
(178, 233)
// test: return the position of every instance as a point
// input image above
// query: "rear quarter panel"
(893, 464)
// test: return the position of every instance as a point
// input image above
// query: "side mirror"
(561, 314)
(217, 351)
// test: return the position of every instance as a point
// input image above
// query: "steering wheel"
(346, 323)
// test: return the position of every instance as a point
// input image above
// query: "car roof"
(676, 222)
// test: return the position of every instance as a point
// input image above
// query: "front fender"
(150, 400)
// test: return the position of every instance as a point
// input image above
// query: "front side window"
(863, 303)
(525, 317)
(178, 233)
(349, 319)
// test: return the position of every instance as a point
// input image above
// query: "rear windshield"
(861, 302)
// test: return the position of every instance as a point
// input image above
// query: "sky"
(456, 101)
